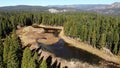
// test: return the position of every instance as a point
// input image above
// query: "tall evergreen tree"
(6, 49)
(34, 61)
(102, 41)
(13, 60)
(116, 41)
(94, 38)
(1, 54)
(43, 64)
(12, 52)
(27, 55)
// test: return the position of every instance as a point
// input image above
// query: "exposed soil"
(29, 35)
(65, 55)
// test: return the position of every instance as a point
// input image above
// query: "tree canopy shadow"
(70, 53)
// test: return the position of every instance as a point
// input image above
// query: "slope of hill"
(23, 8)
(79, 6)
(113, 9)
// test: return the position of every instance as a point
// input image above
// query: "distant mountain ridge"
(23, 8)
(115, 5)
(79, 6)
(111, 9)
(108, 9)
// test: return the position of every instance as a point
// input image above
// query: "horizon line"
(52, 5)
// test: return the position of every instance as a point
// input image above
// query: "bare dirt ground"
(101, 53)
(29, 35)
(105, 55)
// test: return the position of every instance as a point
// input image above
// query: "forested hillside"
(97, 30)
(13, 56)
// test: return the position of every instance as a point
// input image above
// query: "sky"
(53, 2)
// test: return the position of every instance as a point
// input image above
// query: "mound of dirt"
(32, 29)
(31, 35)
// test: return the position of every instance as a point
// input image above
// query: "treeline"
(12, 55)
(95, 29)
(10, 20)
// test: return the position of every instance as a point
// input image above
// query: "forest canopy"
(95, 29)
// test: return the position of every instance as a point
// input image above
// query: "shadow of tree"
(63, 50)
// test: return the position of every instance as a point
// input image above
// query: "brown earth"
(101, 53)
(107, 56)
(28, 35)
(31, 35)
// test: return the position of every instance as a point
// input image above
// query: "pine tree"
(102, 40)
(26, 58)
(6, 49)
(43, 64)
(116, 40)
(1, 54)
(93, 38)
(33, 61)
(11, 52)
(13, 60)
(1, 28)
